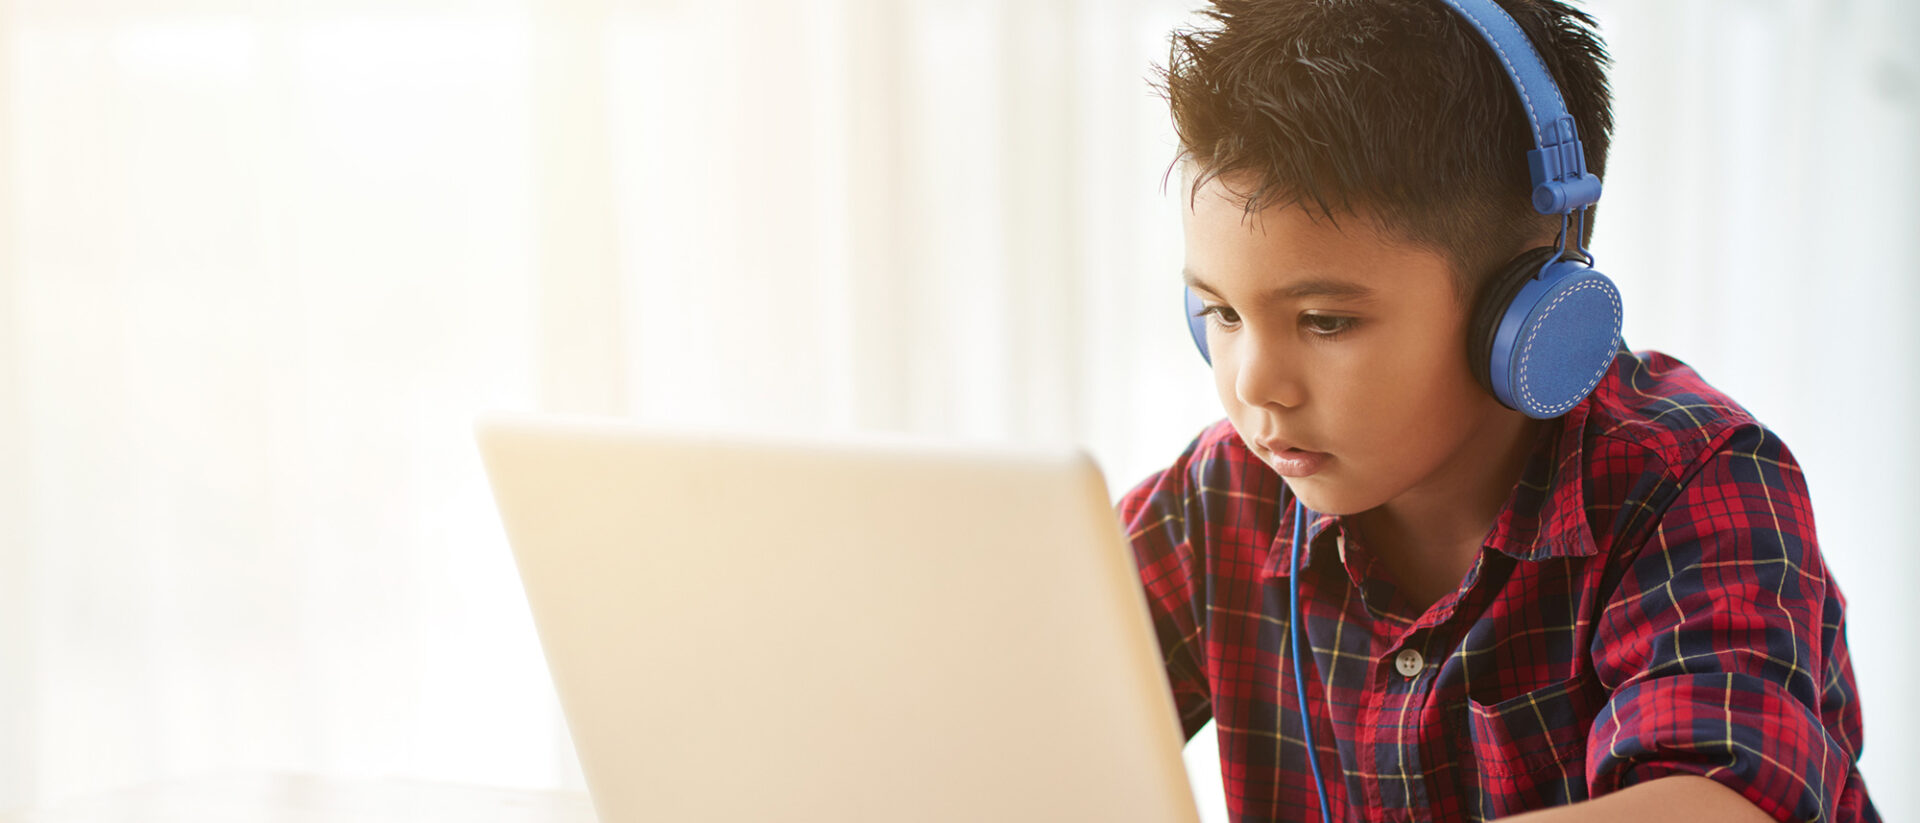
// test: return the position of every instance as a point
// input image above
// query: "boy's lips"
(1291, 461)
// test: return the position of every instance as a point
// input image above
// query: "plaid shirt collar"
(1545, 518)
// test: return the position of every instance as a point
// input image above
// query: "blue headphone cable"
(1299, 680)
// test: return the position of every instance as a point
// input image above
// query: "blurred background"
(262, 261)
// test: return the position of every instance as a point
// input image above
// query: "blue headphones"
(1546, 327)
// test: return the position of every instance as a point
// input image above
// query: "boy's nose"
(1268, 374)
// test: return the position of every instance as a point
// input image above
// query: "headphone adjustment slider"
(1561, 183)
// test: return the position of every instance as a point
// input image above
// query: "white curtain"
(263, 262)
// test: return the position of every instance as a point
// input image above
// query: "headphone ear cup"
(1197, 325)
(1556, 340)
(1490, 305)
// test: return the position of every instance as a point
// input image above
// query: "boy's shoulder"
(1653, 403)
(1652, 431)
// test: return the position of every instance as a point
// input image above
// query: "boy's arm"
(1724, 649)
(1155, 515)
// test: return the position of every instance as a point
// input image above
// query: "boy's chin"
(1323, 498)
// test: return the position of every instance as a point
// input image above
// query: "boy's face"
(1343, 342)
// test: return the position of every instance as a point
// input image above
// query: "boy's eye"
(1220, 315)
(1327, 325)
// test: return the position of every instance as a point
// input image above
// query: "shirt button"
(1408, 662)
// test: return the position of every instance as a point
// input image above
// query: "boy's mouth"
(1293, 462)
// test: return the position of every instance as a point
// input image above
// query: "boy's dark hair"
(1396, 107)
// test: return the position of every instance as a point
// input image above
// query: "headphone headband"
(1558, 163)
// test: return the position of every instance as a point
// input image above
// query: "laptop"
(751, 628)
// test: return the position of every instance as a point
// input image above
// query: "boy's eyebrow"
(1315, 287)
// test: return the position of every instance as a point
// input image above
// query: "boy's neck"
(1430, 537)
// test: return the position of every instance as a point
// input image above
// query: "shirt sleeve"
(1155, 514)
(1724, 646)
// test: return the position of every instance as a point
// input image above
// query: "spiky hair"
(1392, 108)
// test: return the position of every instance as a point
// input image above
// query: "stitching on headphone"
(1539, 137)
(1526, 351)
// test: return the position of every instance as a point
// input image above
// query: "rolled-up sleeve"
(1724, 649)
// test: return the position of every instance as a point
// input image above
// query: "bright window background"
(263, 262)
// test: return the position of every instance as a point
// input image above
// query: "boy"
(1620, 611)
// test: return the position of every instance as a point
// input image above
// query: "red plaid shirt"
(1651, 601)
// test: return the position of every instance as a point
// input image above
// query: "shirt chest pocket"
(1529, 751)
